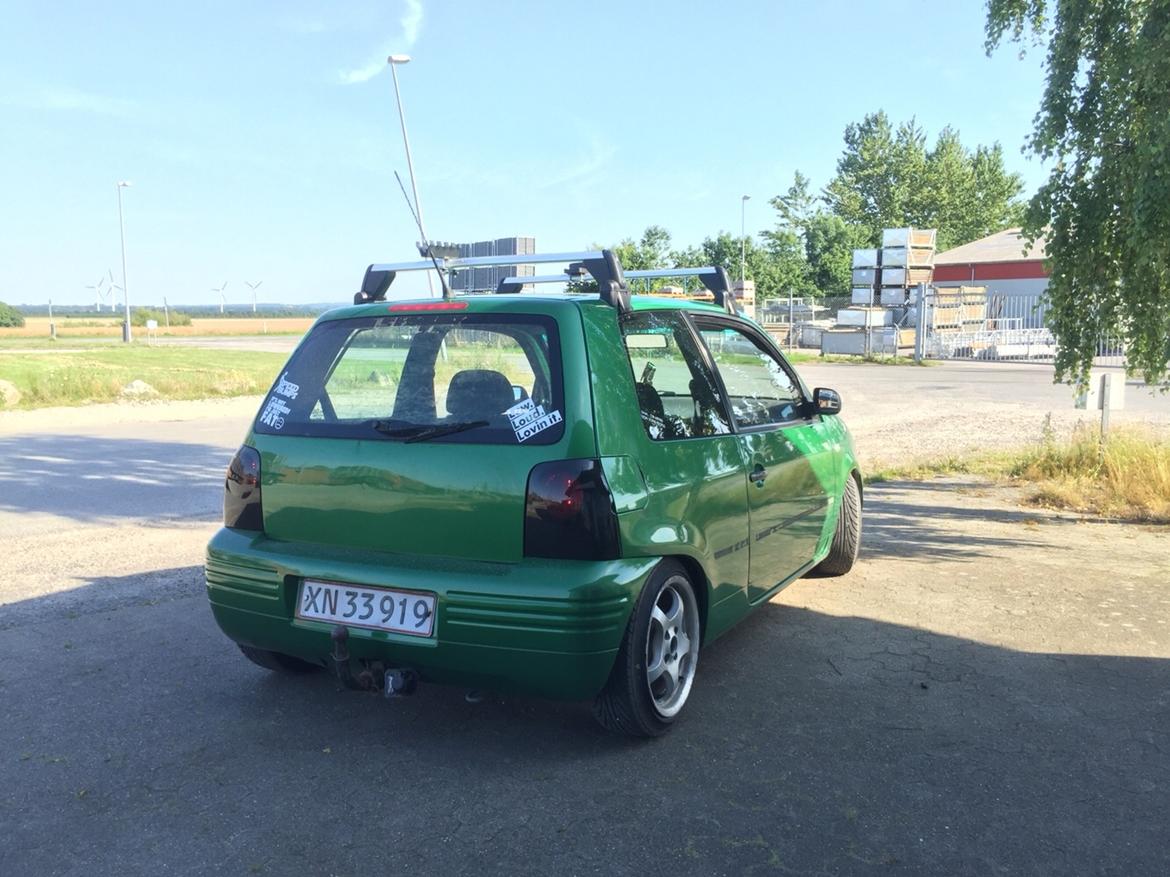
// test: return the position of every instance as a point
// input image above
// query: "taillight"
(241, 491)
(569, 512)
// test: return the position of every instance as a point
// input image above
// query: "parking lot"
(986, 693)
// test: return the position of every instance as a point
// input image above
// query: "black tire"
(630, 703)
(278, 662)
(847, 537)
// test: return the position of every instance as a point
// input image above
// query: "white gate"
(968, 323)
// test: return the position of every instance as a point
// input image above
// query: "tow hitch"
(374, 678)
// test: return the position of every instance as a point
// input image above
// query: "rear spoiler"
(602, 265)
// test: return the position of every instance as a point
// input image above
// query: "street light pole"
(394, 61)
(122, 184)
(742, 236)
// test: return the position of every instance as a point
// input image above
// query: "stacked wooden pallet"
(957, 309)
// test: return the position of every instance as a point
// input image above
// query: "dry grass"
(99, 375)
(1127, 477)
(38, 327)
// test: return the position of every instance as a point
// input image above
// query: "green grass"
(75, 377)
(1127, 478)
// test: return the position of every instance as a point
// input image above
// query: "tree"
(829, 243)
(887, 177)
(651, 252)
(774, 268)
(10, 317)
(1104, 125)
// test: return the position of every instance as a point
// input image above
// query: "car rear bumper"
(542, 627)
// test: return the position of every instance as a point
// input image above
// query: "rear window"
(476, 378)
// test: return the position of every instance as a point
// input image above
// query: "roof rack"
(717, 281)
(602, 265)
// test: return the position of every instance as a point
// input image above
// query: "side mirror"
(826, 401)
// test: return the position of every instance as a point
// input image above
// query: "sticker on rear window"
(287, 388)
(273, 413)
(528, 419)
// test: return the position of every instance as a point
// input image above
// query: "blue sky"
(261, 138)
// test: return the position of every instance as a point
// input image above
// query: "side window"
(760, 388)
(677, 393)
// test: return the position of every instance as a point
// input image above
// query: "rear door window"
(677, 393)
(478, 378)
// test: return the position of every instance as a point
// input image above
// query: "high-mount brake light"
(242, 507)
(429, 306)
(569, 512)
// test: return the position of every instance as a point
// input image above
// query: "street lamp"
(122, 184)
(742, 237)
(394, 61)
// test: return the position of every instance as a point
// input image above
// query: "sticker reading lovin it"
(528, 419)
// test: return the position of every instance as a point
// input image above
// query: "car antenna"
(423, 234)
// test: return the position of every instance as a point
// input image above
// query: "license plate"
(411, 612)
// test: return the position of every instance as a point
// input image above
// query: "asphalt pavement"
(987, 693)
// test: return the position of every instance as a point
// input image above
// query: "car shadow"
(109, 478)
(896, 525)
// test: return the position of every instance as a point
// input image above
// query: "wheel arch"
(702, 583)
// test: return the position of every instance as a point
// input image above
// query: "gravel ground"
(901, 414)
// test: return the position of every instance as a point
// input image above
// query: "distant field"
(75, 377)
(91, 327)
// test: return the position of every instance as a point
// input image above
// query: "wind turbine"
(253, 286)
(108, 295)
(222, 297)
(97, 292)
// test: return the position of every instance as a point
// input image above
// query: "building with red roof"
(1002, 262)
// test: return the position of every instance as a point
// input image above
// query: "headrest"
(479, 394)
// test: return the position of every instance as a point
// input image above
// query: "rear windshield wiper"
(418, 433)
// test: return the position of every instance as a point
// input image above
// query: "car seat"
(653, 413)
(479, 394)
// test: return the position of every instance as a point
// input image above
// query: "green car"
(564, 495)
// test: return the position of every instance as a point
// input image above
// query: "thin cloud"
(71, 100)
(600, 152)
(411, 24)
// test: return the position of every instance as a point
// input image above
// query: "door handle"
(757, 475)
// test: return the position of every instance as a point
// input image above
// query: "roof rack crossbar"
(716, 279)
(671, 272)
(489, 261)
(515, 284)
(603, 265)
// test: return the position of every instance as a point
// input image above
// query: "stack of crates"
(866, 267)
(907, 260)
(883, 280)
